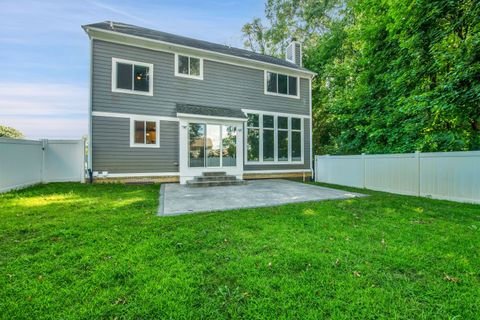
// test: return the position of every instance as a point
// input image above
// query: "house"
(169, 107)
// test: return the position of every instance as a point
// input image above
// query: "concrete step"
(214, 174)
(200, 184)
(215, 178)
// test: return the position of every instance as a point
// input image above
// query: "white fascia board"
(131, 115)
(137, 41)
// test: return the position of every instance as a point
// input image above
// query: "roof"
(210, 111)
(132, 30)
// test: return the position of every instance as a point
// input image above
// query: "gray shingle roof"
(189, 42)
(210, 111)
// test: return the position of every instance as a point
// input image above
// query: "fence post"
(364, 170)
(417, 157)
(44, 148)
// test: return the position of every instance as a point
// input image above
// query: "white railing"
(28, 162)
(441, 175)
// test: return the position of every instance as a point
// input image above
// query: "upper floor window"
(281, 84)
(189, 67)
(132, 77)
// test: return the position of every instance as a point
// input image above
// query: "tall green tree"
(393, 75)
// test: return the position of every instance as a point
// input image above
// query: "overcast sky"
(44, 52)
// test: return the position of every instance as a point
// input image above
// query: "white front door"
(209, 145)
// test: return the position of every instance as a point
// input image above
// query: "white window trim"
(265, 91)
(132, 132)
(114, 77)
(182, 75)
(260, 127)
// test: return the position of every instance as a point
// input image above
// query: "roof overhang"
(137, 41)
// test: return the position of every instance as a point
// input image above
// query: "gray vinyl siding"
(306, 157)
(112, 152)
(224, 85)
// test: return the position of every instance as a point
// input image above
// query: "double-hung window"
(132, 77)
(281, 84)
(144, 132)
(188, 67)
(274, 138)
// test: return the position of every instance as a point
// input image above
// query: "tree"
(8, 132)
(393, 75)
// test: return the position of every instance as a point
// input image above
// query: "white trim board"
(143, 174)
(121, 38)
(276, 171)
(130, 115)
(201, 116)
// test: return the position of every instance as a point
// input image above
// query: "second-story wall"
(223, 85)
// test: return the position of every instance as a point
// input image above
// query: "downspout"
(90, 103)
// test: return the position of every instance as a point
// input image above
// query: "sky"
(44, 52)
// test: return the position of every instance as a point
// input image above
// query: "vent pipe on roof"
(111, 25)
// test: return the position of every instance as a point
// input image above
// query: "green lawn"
(99, 251)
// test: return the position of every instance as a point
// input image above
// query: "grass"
(98, 251)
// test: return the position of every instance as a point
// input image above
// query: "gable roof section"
(135, 31)
(214, 112)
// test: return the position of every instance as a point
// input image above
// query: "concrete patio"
(176, 199)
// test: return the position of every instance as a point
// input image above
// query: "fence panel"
(396, 173)
(64, 160)
(451, 175)
(21, 163)
(343, 170)
(28, 162)
(442, 175)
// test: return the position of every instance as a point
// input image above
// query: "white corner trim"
(131, 115)
(188, 76)
(121, 38)
(311, 122)
(133, 63)
(132, 132)
(143, 174)
(265, 91)
(200, 116)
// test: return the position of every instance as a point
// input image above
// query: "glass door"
(212, 145)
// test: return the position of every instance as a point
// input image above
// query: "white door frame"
(188, 173)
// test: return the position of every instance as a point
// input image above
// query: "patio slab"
(178, 199)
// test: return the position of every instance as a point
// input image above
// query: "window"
(253, 137)
(274, 139)
(188, 67)
(281, 84)
(144, 132)
(132, 77)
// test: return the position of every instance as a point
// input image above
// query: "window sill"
(144, 146)
(181, 75)
(141, 93)
(282, 95)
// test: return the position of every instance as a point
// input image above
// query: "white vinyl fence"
(28, 162)
(441, 175)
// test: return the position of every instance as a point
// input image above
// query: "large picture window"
(274, 139)
(188, 67)
(281, 84)
(132, 77)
